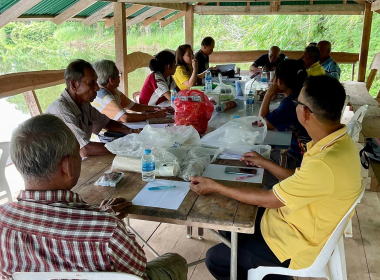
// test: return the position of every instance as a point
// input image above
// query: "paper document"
(163, 198)
(216, 171)
(138, 125)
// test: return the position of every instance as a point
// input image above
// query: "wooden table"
(212, 211)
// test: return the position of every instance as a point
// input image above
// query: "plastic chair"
(353, 128)
(345, 104)
(330, 263)
(5, 192)
(135, 96)
(74, 275)
(359, 114)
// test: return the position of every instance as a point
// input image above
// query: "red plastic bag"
(193, 108)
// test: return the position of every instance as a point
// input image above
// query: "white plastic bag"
(237, 153)
(150, 137)
(237, 133)
(226, 92)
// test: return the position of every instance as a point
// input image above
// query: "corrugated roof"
(139, 12)
(93, 8)
(6, 4)
(172, 14)
(50, 7)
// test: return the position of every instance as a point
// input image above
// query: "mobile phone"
(239, 170)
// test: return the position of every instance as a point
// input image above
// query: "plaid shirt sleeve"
(125, 253)
(98, 119)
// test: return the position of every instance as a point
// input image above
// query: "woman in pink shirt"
(157, 86)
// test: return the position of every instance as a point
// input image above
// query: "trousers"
(252, 253)
(169, 266)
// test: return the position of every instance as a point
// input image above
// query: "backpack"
(371, 150)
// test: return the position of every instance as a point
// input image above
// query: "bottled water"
(174, 96)
(208, 78)
(148, 166)
(264, 80)
(250, 99)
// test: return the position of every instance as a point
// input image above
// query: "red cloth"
(148, 89)
(57, 231)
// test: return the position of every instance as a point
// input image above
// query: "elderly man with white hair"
(113, 103)
(50, 228)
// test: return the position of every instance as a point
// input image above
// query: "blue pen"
(160, 188)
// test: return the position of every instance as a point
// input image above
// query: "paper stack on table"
(164, 198)
(216, 171)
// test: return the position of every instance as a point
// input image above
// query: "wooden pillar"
(120, 30)
(32, 103)
(366, 35)
(189, 25)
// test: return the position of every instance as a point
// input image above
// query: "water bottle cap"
(236, 117)
(250, 92)
(174, 90)
(147, 151)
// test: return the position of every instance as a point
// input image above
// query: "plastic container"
(208, 81)
(148, 166)
(240, 87)
(264, 80)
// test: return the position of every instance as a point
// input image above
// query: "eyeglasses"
(120, 74)
(296, 103)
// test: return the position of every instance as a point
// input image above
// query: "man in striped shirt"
(50, 228)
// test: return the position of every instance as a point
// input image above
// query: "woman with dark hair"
(157, 86)
(186, 73)
(289, 79)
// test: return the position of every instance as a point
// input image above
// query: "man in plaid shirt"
(51, 228)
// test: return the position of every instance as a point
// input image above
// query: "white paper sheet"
(216, 171)
(138, 125)
(167, 198)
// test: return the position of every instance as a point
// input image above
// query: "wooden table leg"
(234, 248)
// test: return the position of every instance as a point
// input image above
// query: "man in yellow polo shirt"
(311, 60)
(301, 211)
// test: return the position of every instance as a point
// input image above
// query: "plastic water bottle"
(208, 78)
(264, 80)
(173, 96)
(148, 166)
(250, 99)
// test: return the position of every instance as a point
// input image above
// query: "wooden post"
(189, 25)
(120, 30)
(366, 35)
(32, 103)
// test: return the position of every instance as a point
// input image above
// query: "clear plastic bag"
(109, 179)
(227, 92)
(237, 153)
(239, 133)
(150, 137)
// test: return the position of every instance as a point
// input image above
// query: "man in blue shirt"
(331, 67)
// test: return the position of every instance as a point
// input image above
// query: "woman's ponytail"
(160, 61)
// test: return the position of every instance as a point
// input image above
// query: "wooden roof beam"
(171, 19)
(375, 7)
(157, 17)
(143, 16)
(72, 11)
(16, 10)
(128, 11)
(99, 14)
(332, 9)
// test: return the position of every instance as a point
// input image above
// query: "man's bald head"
(325, 50)
(274, 53)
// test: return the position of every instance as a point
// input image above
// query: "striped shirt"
(57, 231)
(112, 105)
(82, 121)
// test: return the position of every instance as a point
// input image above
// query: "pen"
(243, 177)
(160, 188)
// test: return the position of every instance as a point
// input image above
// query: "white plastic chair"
(330, 263)
(5, 192)
(74, 275)
(345, 104)
(359, 114)
(353, 128)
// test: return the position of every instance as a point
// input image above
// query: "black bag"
(371, 150)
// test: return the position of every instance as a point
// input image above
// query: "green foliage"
(32, 46)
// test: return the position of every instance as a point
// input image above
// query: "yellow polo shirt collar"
(313, 149)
